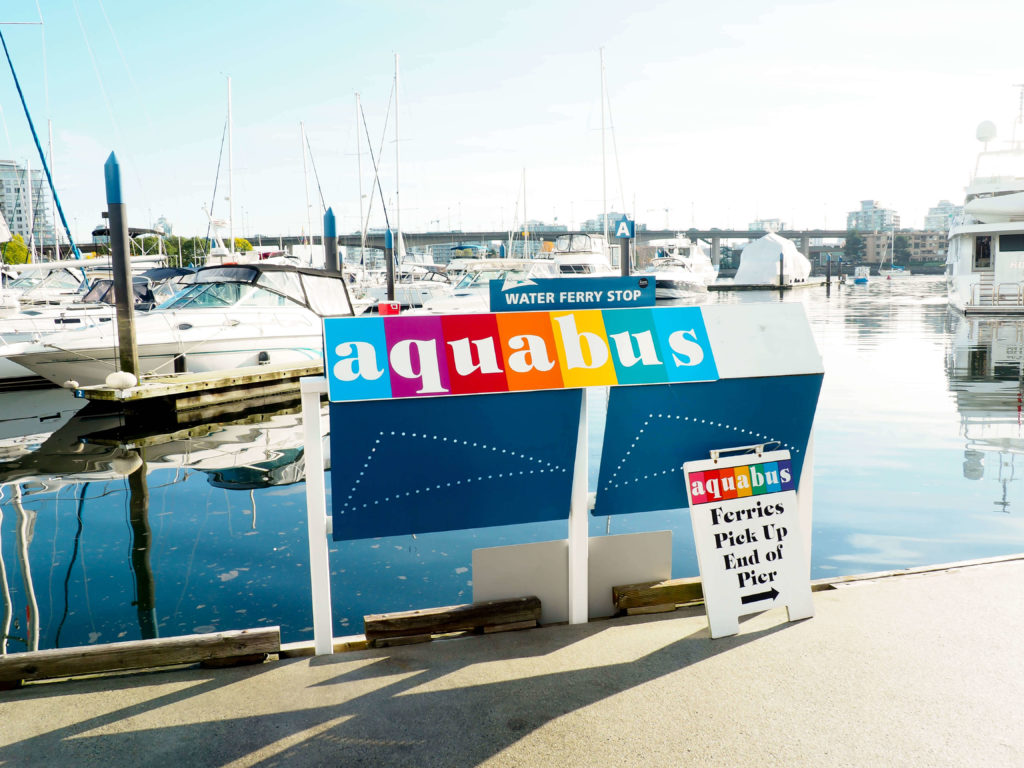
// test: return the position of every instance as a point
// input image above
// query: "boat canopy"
(322, 291)
(759, 262)
(102, 291)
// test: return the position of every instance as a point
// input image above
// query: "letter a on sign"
(624, 229)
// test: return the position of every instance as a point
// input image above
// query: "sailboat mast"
(49, 151)
(526, 225)
(31, 211)
(604, 174)
(231, 195)
(305, 180)
(399, 247)
(359, 162)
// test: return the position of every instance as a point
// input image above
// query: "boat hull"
(90, 366)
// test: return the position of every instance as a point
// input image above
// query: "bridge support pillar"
(716, 250)
(805, 246)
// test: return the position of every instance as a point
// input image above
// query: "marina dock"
(920, 669)
(184, 391)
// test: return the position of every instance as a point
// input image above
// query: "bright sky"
(723, 112)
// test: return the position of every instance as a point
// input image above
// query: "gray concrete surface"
(921, 670)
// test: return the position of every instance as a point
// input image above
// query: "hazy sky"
(723, 112)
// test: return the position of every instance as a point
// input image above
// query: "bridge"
(713, 236)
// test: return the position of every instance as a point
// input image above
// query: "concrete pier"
(908, 670)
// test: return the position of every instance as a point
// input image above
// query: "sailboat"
(892, 270)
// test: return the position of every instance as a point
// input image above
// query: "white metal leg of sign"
(316, 512)
(579, 528)
(805, 497)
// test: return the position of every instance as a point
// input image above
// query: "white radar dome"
(986, 131)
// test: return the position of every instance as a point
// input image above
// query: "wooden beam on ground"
(657, 593)
(216, 647)
(452, 618)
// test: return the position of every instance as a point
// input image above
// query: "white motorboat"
(583, 256)
(674, 278)
(94, 307)
(691, 252)
(472, 292)
(415, 286)
(44, 283)
(232, 317)
(985, 261)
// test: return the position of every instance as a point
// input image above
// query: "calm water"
(114, 531)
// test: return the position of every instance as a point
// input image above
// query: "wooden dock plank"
(451, 618)
(138, 654)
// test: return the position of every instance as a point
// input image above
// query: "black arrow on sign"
(771, 594)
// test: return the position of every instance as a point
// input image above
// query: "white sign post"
(746, 527)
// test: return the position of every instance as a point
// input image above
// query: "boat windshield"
(480, 277)
(220, 295)
(569, 243)
(58, 279)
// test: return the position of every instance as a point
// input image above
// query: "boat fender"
(121, 380)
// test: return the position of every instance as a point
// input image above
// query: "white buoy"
(121, 380)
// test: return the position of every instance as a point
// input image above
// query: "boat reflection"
(984, 367)
(252, 449)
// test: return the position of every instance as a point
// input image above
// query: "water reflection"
(101, 460)
(985, 375)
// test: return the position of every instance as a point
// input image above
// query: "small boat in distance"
(892, 270)
(861, 274)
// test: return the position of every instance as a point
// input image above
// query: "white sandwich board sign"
(746, 527)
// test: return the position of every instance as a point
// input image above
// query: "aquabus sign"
(373, 358)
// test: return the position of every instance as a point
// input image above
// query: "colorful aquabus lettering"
(738, 482)
(368, 358)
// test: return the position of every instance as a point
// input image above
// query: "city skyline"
(721, 116)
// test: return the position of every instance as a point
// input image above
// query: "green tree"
(901, 250)
(146, 245)
(241, 244)
(853, 250)
(194, 251)
(15, 251)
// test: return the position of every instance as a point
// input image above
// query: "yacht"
(681, 269)
(96, 306)
(583, 256)
(691, 253)
(231, 317)
(985, 262)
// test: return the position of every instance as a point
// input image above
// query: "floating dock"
(187, 391)
(811, 282)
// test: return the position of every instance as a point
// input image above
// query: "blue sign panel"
(651, 431)
(399, 467)
(566, 293)
(625, 229)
